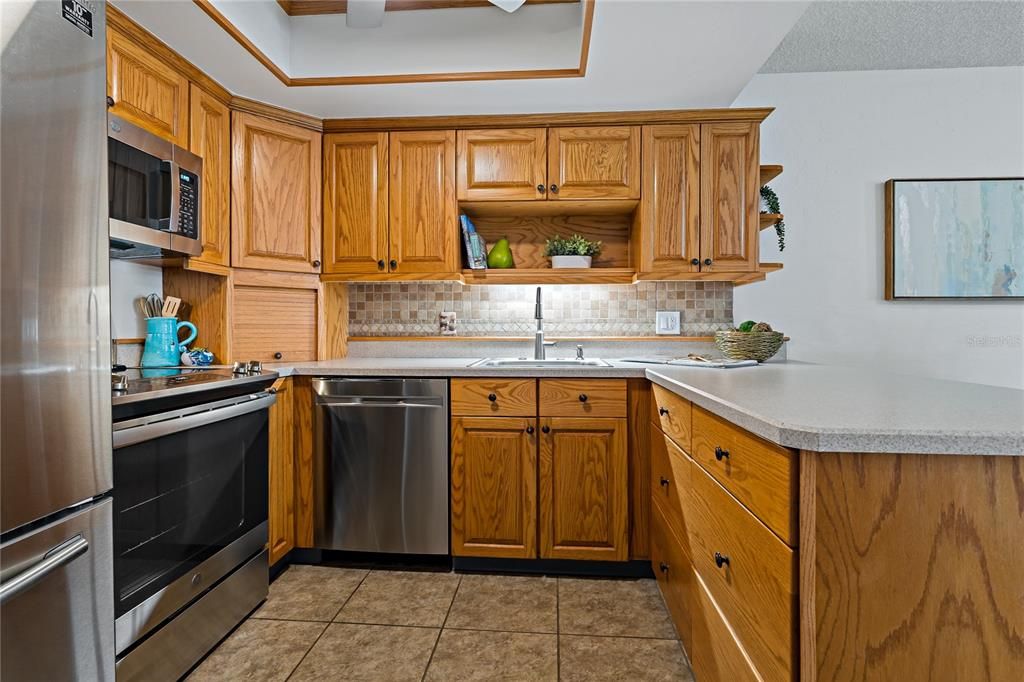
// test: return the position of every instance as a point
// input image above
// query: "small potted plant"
(575, 252)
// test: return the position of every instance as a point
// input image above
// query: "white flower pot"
(570, 261)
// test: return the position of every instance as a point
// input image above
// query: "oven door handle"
(159, 428)
(61, 555)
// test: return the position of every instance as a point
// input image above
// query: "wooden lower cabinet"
(670, 561)
(716, 653)
(281, 507)
(494, 487)
(583, 485)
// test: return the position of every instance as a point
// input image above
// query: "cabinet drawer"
(494, 397)
(754, 585)
(670, 562)
(716, 655)
(670, 480)
(673, 415)
(760, 474)
(583, 397)
(269, 322)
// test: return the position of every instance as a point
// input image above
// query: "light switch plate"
(667, 322)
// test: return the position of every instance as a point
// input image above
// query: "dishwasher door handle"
(336, 403)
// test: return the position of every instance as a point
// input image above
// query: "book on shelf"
(476, 248)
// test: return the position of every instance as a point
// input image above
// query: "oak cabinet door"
(584, 496)
(594, 163)
(670, 207)
(729, 199)
(281, 508)
(210, 138)
(423, 207)
(494, 487)
(145, 90)
(275, 195)
(506, 164)
(355, 203)
(276, 316)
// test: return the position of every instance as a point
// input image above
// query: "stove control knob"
(255, 367)
(239, 367)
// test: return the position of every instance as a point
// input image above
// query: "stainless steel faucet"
(539, 344)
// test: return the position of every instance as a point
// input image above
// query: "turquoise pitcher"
(163, 349)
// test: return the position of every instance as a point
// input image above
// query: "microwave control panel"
(188, 209)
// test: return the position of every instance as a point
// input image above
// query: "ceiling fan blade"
(508, 5)
(364, 13)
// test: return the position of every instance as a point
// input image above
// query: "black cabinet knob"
(546, 428)
(721, 559)
(381, 264)
(278, 356)
(540, 188)
(554, 189)
(695, 261)
(707, 261)
(664, 481)
(394, 264)
(663, 567)
(583, 397)
(721, 454)
(529, 430)
(492, 397)
(110, 101)
(663, 411)
(316, 264)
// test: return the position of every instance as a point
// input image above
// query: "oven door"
(190, 505)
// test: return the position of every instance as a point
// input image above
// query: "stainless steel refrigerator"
(56, 575)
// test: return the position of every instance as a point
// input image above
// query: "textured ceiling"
(835, 35)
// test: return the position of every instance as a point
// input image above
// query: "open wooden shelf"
(762, 273)
(768, 219)
(769, 172)
(550, 276)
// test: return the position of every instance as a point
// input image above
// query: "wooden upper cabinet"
(729, 197)
(423, 208)
(594, 163)
(210, 138)
(355, 203)
(670, 207)
(145, 90)
(584, 489)
(494, 487)
(506, 164)
(275, 195)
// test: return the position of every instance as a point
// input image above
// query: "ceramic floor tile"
(259, 650)
(310, 593)
(630, 608)
(592, 659)
(507, 603)
(370, 653)
(401, 598)
(470, 655)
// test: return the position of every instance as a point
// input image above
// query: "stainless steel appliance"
(154, 194)
(56, 603)
(190, 513)
(381, 465)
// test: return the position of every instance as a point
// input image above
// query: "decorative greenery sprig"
(771, 199)
(574, 246)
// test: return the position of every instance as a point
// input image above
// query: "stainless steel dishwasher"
(380, 472)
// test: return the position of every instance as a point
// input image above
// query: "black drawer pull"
(583, 397)
(664, 481)
(663, 567)
(721, 454)
(278, 356)
(721, 559)
(662, 411)
(492, 397)
(546, 429)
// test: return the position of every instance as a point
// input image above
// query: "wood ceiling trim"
(302, 8)
(391, 79)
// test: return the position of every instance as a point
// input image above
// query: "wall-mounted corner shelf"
(550, 276)
(762, 272)
(769, 219)
(769, 172)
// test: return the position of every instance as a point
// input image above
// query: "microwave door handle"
(172, 225)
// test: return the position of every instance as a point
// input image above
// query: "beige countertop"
(795, 404)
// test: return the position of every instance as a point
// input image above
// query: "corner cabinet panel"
(423, 209)
(730, 178)
(145, 90)
(275, 194)
(670, 207)
(210, 138)
(494, 487)
(584, 489)
(594, 163)
(281, 500)
(355, 203)
(506, 164)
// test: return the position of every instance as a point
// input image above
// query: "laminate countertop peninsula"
(795, 404)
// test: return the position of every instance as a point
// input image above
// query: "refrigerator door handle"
(59, 556)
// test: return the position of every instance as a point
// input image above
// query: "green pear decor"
(500, 256)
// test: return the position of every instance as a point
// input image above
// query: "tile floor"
(322, 623)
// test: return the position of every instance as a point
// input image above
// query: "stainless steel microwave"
(154, 189)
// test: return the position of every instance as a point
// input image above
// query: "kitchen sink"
(529, 363)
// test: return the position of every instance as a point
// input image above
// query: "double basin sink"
(527, 363)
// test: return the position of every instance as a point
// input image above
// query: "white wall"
(128, 281)
(840, 136)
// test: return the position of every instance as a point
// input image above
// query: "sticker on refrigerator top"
(77, 13)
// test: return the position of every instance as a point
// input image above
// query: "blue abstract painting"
(956, 238)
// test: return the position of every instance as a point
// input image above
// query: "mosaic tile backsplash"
(412, 309)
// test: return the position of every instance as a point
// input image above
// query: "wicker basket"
(749, 345)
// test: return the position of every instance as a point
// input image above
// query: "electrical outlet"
(667, 322)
